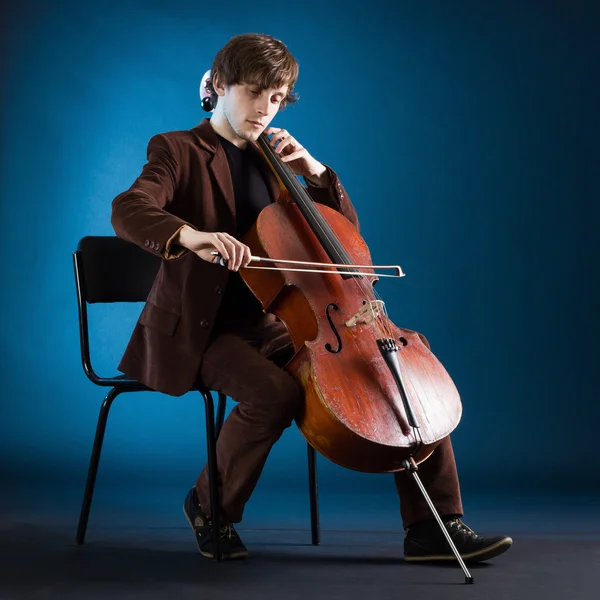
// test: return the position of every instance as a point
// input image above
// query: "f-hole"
(339, 340)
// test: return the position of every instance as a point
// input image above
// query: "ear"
(218, 85)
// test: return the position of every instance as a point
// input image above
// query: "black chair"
(109, 269)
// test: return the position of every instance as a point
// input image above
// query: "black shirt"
(251, 196)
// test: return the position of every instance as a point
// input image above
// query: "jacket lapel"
(220, 170)
(218, 165)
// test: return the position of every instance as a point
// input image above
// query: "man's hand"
(297, 157)
(202, 243)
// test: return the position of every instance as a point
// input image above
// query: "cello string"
(384, 317)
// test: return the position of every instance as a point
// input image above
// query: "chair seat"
(122, 382)
(126, 382)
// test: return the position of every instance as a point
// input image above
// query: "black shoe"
(426, 542)
(231, 545)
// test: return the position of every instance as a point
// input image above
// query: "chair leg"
(94, 462)
(213, 474)
(220, 414)
(314, 495)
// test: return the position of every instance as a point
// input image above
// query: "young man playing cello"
(199, 193)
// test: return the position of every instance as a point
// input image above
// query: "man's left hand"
(297, 157)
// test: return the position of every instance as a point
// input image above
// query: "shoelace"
(460, 526)
(227, 531)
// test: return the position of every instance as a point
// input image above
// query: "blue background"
(466, 134)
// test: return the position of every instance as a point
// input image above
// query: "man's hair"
(259, 59)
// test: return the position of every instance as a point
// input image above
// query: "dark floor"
(552, 558)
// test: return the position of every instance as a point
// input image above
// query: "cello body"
(353, 413)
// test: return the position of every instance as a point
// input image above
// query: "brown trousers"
(245, 362)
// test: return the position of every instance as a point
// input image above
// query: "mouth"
(256, 124)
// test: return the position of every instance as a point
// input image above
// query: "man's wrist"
(183, 236)
(320, 177)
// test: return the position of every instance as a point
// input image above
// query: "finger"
(294, 155)
(239, 251)
(270, 130)
(221, 249)
(231, 250)
(247, 256)
(288, 141)
(277, 137)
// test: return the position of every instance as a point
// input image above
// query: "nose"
(263, 105)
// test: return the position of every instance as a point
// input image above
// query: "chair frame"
(122, 384)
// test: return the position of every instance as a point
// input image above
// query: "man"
(199, 193)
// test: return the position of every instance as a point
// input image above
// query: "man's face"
(249, 110)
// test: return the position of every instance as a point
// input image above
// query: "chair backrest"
(113, 270)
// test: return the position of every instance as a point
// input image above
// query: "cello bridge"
(367, 314)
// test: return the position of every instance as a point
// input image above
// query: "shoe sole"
(232, 556)
(484, 554)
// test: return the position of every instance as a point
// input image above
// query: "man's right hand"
(202, 243)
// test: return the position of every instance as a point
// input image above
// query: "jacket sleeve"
(334, 195)
(140, 214)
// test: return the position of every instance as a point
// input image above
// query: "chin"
(245, 135)
(251, 136)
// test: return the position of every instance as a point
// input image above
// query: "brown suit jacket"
(186, 180)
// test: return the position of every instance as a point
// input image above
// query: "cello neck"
(300, 196)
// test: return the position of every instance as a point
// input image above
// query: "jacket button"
(204, 323)
(147, 243)
(218, 289)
